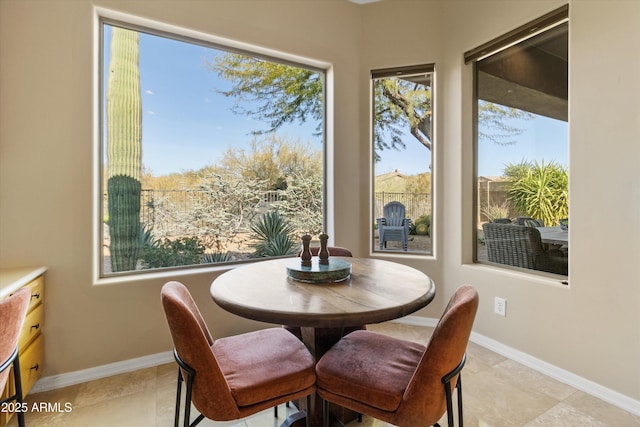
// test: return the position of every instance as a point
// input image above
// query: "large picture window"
(402, 159)
(521, 128)
(209, 155)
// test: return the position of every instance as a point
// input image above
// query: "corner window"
(210, 155)
(521, 129)
(402, 159)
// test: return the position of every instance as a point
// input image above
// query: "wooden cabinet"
(31, 341)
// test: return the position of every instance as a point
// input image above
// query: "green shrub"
(171, 253)
(539, 190)
(500, 210)
(421, 226)
(422, 229)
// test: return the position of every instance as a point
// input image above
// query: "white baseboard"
(90, 374)
(566, 377)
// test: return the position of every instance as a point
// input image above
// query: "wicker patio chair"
(521, 246)
(502, 221)
(529, 222)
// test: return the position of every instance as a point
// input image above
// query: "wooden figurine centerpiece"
(320, 269)
(323, 253)
(305, 256)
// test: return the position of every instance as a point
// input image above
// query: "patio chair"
(521, 246)
(393, 226)
(529, 222)
(502, 221)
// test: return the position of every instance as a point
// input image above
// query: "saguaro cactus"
(124, 149)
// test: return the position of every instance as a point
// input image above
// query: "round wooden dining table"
(376, 291)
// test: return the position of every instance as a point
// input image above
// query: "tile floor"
(496, 391)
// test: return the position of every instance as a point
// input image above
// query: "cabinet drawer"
(37, 291)
(31, 363)
(32, 326)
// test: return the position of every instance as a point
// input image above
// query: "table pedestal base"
(318, 342)
(299, 419)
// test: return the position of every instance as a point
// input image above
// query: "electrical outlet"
(500, 306)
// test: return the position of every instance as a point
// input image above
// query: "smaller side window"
(402, 150)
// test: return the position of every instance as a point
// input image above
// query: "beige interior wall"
(590, 328)
(402, 33)
(46, 163)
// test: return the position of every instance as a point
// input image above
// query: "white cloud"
(149, 92)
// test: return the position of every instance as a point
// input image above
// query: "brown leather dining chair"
(233, 377)
(397, 381)
(12, 314)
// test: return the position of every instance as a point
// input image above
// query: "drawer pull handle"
(36, 295)
(36, 326)
(36, 367)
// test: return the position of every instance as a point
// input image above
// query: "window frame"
(104, 17)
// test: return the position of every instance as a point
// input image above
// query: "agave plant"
(274, 236)
(147, 238)
(216, 257)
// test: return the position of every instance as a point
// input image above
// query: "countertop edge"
(12, 279)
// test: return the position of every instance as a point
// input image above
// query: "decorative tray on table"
(336, 270)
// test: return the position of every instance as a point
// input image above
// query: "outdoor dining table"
(554, 235)
(376, 291)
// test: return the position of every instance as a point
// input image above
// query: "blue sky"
(541, 139)
(187, 124)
